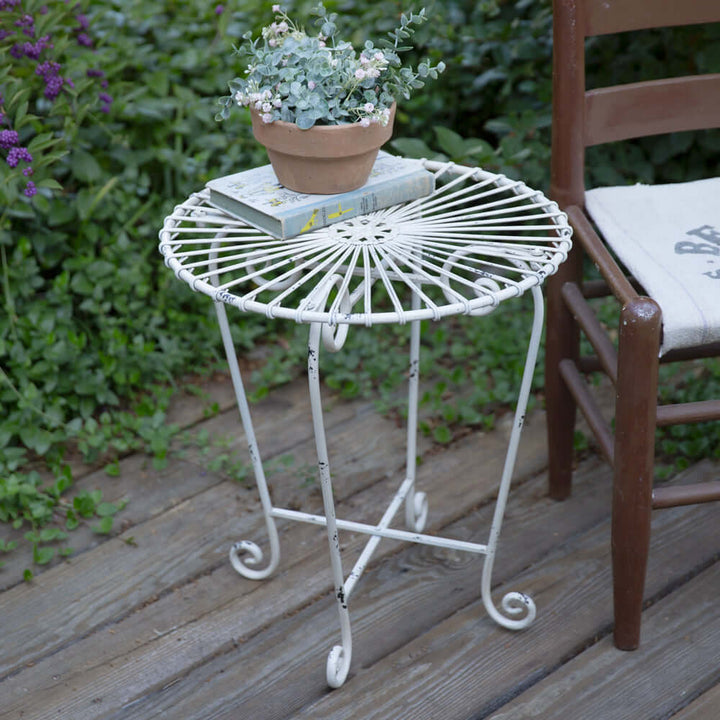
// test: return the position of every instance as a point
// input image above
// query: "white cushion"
(668, 236)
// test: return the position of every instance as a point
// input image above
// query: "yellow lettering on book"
(309, 224)
(340, 212)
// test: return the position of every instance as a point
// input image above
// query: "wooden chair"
(581, 119)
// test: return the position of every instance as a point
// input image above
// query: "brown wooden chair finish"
(580, 119)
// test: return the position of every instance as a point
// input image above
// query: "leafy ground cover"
(107, 120)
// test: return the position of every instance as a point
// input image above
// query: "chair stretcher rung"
(688, 412)
(597, 336)
(586, 402)
(665, 497)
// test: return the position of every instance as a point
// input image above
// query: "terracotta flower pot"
(326, 159)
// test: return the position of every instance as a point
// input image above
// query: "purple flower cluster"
(16, 154)
(29, 49)
(26, 46)
(27, 23)
(82, 36)
(8, 138)
(49, 71)
(10, 141)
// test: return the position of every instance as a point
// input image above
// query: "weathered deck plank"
(705, 707)
(677, 659)
(279, 671)
(302, 544)
(166, 628)
(463, 668)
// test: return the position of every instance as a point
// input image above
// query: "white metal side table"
(479, 239)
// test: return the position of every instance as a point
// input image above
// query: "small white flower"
(364, 59)
(368, 107)
(379, 56)
(258, 105)
(311, 85)
(276, 8)
(267, 107)
(267, 118)
(365, 122)
(272, 42)
(360, 74)
(277, 102)
(282, 27)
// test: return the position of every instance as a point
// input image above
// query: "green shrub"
(94, 331)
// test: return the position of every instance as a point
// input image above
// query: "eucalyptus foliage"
(319, 79)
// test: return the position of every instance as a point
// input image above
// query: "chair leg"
(635, 415)
(562, 341)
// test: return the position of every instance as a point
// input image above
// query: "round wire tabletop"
(478, 239)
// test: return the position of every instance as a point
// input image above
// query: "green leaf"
(50, 183)
(36, 439)
(450, 142)
(104, 527)
(43, 555)
(412, 148)
(442, 434)
(84, 166)
(27, 575)
(52, 533)
(72, 520)
(106, 509)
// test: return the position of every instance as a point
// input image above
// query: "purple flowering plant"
(310, 79)
(49, 83)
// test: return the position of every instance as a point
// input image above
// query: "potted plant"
(321, 109)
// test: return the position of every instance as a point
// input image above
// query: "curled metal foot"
(246, 547)
(513, 604)
(338, 665)
(416, 522)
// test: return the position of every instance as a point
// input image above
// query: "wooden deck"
(154, 623)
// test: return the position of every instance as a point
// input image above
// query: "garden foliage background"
(96, 335)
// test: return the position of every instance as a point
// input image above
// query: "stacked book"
(257, 197)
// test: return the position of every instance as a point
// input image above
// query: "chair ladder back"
(654, 107)
(603, 17)
(583, 118)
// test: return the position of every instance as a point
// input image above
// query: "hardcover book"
(257, 197)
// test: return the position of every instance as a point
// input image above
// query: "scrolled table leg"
(245, 546)
(338, 663)
(513, 603)
(256, 556)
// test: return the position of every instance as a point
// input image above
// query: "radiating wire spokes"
(476, 240)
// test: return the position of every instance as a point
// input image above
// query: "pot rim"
(321, 140)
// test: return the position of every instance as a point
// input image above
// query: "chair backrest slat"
(655, 107)
(611, 16)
